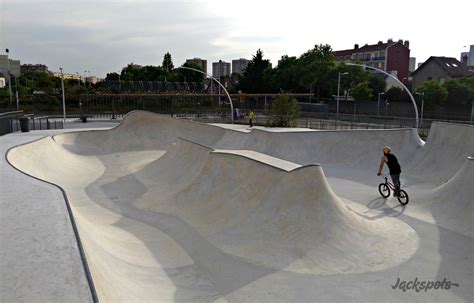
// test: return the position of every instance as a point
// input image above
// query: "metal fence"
(10, 122)
(7, 121)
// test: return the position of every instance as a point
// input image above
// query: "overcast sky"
(104, 36)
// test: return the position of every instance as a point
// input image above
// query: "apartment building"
(391, 57)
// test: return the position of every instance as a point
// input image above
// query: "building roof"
(346, 52)
(452, 66)
(367, 48)
(375, 47)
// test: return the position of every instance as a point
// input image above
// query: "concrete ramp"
(453, 201)
(170, 210)
(195, 224)
(445, 151)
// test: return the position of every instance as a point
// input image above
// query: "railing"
(6, 121)
(10, 122)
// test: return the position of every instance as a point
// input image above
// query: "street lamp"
(378, 103)
(9, 78)
(64, 98)
(338, 88)
(422, 105)
(85, 80)
(220, 84)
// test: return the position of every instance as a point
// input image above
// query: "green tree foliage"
(112, 76)
(395, 94)
(133, 72)
(167, 62)
(284, 111)
(434, 93)
(189, 75)
(316, 68)
(377, 84)
(361, 92)
(252, 80)
(460, 90)
(285, 77)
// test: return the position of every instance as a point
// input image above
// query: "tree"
(284, 77)
(460, 90)
(434, 93)
(167, 62)
(132, 72)
(285, 111)
(189, 75)
(252, 80)
(112, 76)
(317, 69)
(361, 92)
(395, 94)
(378, 84)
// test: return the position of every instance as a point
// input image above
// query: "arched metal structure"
(220, 84)
(396, 79)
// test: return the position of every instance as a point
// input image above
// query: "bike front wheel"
(403, 197)
(384, 190)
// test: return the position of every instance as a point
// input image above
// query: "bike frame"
(388, 183)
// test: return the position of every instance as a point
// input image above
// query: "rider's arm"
(382, 162)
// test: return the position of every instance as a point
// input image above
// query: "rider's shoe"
(396, 195)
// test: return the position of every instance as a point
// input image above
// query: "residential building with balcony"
(239, 65)
(198, 61)
(391, 57)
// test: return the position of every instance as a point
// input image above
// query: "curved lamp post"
(220, 84)
(338, 87)
(396, 79)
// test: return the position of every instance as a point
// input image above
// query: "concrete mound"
(445, 151)
(453, 201)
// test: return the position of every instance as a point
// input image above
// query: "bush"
(285, 111)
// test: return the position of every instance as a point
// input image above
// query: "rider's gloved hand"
(378, 174)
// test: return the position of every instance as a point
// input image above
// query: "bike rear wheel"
(403, 197)
(384, 190)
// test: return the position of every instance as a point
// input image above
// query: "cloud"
(103, 36)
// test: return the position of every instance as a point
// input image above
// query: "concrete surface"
(39, 256)
(172, 210)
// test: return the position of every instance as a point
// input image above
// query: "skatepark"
(161, 209)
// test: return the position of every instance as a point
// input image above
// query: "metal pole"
(422, 105)
(338, 87)
(378, 103)
(17, 101)
(16, 93)
(396, 79)
(64, 98)
(220, 84)
(9, 78)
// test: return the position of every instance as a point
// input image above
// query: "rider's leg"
(396, 182)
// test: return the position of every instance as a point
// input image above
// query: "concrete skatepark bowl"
(170, 210)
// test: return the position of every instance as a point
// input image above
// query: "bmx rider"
(393, 166)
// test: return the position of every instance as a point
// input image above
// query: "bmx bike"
(384, 190)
